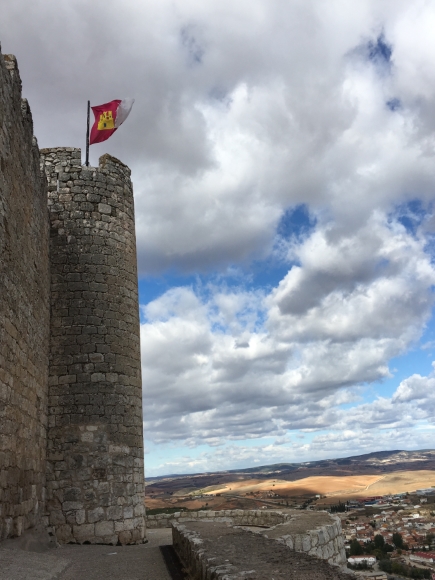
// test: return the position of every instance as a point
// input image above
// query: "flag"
(108, 118)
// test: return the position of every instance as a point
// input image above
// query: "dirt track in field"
(333, 487)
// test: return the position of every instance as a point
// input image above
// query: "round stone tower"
(95, 477)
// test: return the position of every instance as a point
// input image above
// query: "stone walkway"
(151, 561)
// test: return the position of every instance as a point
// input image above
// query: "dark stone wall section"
(24, 312)
(95, 478)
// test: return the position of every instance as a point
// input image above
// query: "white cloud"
(244, 110)
(374, 283)
(418, 392)
(236, 364)
(351, 441)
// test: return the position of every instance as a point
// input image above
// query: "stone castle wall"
(220, 550)
(236, 517)
(71, 446)
(95, 483)
(24, 311)
(317, 534)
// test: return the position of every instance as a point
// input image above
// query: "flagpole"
(87, 135)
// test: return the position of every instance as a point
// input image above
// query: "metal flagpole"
(87, 135)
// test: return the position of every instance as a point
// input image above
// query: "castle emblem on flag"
(106, 121)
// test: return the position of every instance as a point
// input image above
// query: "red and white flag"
(108, 118)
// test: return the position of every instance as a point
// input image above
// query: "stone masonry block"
(104, 528)
(114, 512)
(96, 515)
(125, 537)
(83, 533)
(104, 208)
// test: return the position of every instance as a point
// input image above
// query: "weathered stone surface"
(71, 447)
(215, 550)
(315, 533)
(24, 311)
(84, 532)
(104, 528)
(95, 396)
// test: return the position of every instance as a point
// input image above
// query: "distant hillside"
(378, 459)
(376, 462)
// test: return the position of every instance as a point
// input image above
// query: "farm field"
(375, 474)
(354, 486)
(235, 494)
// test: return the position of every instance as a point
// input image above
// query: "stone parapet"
(315, 533)
(266, 518)
(95, 477)
(215, 550)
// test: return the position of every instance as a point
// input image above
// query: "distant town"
(392, 533)
(386, 537)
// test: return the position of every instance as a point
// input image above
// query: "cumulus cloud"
(374, 283)
(245, 110)
(403, 421)
(326, 446)
(242, 110)
(237, 364)
(420, 392)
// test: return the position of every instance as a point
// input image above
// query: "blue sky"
(282, 155)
